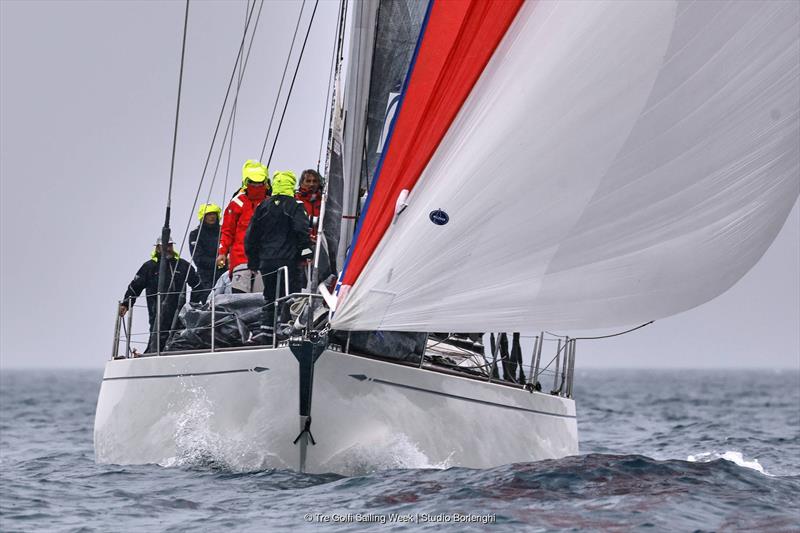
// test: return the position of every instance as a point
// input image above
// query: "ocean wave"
(385, 451)
(730, 455)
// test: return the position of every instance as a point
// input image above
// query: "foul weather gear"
(279, 230)
(283, 182)
(254, 171)
(203, 242)
(312, 201)
(206, 209)
(146, 279)
(234, 226)
(278, 236)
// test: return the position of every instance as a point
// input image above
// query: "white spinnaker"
(616, 162)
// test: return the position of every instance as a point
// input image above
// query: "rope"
(291, 86)
(283, 78)
(573, 339)
(614, 334)
(602, 336)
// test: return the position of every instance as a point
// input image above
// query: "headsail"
(615, 162)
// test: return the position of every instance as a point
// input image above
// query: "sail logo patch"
(439, 217)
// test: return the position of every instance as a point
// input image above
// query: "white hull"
(241, 409)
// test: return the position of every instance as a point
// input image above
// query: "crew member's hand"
(123, 309)
(220, 260)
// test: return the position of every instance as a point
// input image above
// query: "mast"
(359, 73)
(333, 119)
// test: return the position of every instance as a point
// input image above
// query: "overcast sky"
(88, 102)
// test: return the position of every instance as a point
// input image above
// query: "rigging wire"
(283, 79)
(291, 86)
(219, 120)
(233, 112)
(229, 127)
(230, 144)
(221, 114)
(328, 95)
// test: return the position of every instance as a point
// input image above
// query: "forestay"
(615, 162)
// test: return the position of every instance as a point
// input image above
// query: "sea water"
(681, 450)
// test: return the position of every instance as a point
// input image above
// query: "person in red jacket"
(255, 189)
(310, 193)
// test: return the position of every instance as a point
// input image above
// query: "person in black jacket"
(203, 244)
(181, 273)
(278, 236)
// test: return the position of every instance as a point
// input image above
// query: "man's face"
(170, 250)
(310, 182)
(210, 218)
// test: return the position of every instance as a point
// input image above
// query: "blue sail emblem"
(439, 217)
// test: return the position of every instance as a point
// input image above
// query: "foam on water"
(730, 455)
(384, 451)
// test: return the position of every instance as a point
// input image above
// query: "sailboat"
(530, 166)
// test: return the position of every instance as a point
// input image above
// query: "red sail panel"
(459, 39)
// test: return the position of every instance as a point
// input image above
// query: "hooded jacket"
(203, 242)
(234, 226)
(279, 229)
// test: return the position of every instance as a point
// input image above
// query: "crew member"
(255, 189)
(180, 273)
(278, 237)
(310, 193)
(203, 243)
